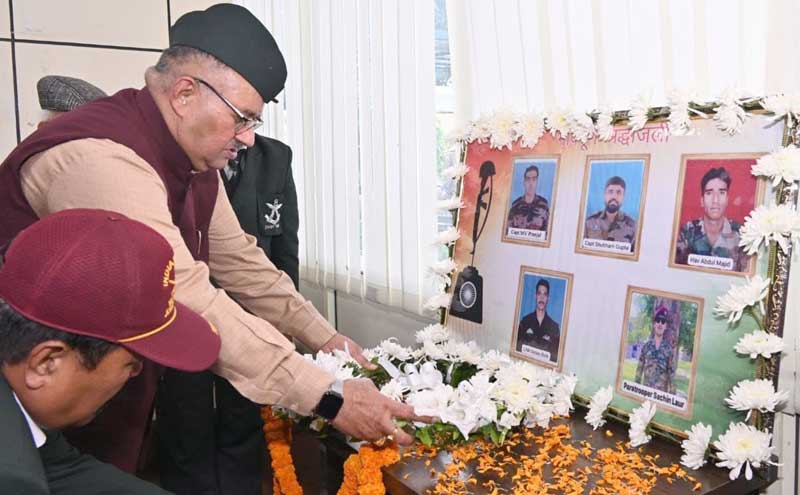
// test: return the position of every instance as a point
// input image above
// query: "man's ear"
(184, 90)
(44, 361)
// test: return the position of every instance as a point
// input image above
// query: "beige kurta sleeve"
(242, 268)
(260, 362)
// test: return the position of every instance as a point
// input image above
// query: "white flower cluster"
(502, 392)
(730, 115)
(338, 363)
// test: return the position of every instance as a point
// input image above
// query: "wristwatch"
(331, 401)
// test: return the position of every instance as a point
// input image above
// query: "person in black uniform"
(537, 329)
(210, 437)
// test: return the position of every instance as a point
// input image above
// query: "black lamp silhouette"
(468, 293)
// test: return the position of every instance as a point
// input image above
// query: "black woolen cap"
(234, 35)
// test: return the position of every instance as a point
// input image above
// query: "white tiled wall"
(5, 24)
(8, 135)
(35, 61)
(140, 24)
(141, 27)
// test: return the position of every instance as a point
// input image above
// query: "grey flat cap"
(62, 94)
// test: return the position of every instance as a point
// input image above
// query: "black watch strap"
(329, 405)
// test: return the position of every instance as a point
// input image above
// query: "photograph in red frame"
(710, 218)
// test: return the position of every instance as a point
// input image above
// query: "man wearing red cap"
(656, 368)
(154, 154)
(85, 296)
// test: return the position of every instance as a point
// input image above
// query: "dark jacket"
(264, 199)
(21, 468)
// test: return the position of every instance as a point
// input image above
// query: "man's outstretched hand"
(369, 415)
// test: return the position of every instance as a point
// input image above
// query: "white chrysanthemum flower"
(598, 405)
(637, 115)
(370, 354)
(743, 445)
(394, 389)
(335, 364)
(391, 349)
(562, 395)
(444, 267)
(581, 126)
(760, 395)
(639, 419)
(433, 333)
(448, 236)
(501, 129)
(695, 446)
(529, 128)
(679, 121)
(605, 131)
(758, 343)
(430, 402)
(730, 115)
(467, 352)
(479, 129)
(493, 360)
(557, 122)
(740, 297)
(779, 223)
(782, 165)
(453, 203)
(434, 303)
(433, 350)
(509, 420)
(538, 414)
(458, 134)
(783, 105)
(455, 171)
(515, 392)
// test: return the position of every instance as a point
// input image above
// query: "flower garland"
(278, 434)
(363, 473)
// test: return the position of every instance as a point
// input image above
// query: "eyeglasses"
(244, 123)
(660, 320)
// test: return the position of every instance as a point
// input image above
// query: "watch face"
(468, 294)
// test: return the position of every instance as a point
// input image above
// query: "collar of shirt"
(39, 438)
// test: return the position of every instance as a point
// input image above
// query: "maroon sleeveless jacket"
(131, 119)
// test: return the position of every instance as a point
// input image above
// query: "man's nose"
(247, 138)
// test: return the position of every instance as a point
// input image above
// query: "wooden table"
(413, 477)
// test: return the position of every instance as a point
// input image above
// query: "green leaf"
(424, 436)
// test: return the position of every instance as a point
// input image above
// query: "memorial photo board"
(637, 241)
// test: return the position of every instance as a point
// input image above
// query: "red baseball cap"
(100, 274)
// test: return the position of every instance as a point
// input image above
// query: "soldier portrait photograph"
(612, 206)
(715, 194)
(531, 200)
(541, 316)
(657, 353)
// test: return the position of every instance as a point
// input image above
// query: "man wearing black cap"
(154, 155)
(210, 436)
(61, 359)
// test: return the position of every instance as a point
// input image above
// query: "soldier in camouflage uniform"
(656, 367)
(714, 234)
(612, 224)
(530, 211)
